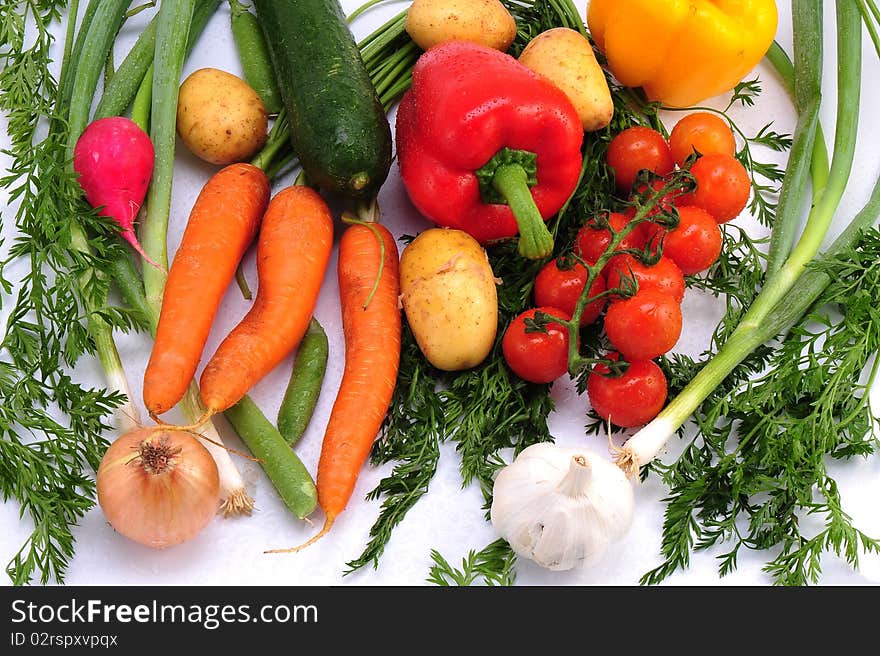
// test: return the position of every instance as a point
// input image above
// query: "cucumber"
(338, 127)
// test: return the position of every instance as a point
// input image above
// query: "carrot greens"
(60, 309)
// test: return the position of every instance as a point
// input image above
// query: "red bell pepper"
(487, 146)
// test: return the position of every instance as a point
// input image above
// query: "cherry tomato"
(632, 399)
(723, 186)
(665, 276)
(634, 149)
(538, 357)
(561, 288)
(695, 244)
(702, 132)
(643, 326)
(591, 242)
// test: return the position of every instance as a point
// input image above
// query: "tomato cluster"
(640, 289)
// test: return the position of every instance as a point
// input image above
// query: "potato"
(488, 22)
(220, 118)
(449, 296)
(566, 58)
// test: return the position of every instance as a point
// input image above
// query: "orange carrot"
(369, 287)
(222, 224)
(296, 239)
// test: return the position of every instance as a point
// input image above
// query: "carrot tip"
(328, 523)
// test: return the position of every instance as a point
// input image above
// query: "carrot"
(369, 287)
(222, 224)
(296, 239)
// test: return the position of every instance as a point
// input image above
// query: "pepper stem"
(535, 240)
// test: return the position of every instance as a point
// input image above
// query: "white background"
(448, 518)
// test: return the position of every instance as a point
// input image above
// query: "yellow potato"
(488, 22)
(566, 58)
(220, 118)
(449, 296)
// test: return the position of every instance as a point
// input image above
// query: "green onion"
(173, 25)
(103, 25)
(807, 92)
(118, 95)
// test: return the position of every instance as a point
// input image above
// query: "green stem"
(172, 30)
(109, 67)
(819, 163)
(171, 38)
(849, 61)
(363, 8)
(807, 23)
(140, 109)
(122, 88)
(276, 141)
(871, 16)
(96, 45)
(73, 50)
(118, 95)
(535, 240)
(373, 44)
(242, 283)
(140, 8)
(102, 335)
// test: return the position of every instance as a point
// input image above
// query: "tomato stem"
(645, 205)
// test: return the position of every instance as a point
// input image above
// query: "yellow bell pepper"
(682, 51)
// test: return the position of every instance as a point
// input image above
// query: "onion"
(158, 487)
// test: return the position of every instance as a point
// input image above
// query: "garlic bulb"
(561, 507)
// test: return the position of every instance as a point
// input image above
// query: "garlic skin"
(560, 506)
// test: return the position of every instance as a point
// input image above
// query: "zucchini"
(338, 127)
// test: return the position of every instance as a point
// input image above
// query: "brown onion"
(158, 487)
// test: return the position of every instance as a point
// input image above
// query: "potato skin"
(488, 22)
(220, 118)
(566, 58)
(449, 297)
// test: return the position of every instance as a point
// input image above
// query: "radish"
(114, 160)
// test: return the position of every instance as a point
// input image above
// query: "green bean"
(291, 479)
(254, 56)
(304, 387)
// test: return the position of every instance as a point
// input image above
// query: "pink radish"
(114, 160)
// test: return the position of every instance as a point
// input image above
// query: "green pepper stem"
(535, 240)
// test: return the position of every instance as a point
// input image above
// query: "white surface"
(448, 518)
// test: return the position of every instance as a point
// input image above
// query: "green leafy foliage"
(51, 426)
(492, 565)
(759, 467)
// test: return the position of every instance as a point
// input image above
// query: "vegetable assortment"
(572, 219)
